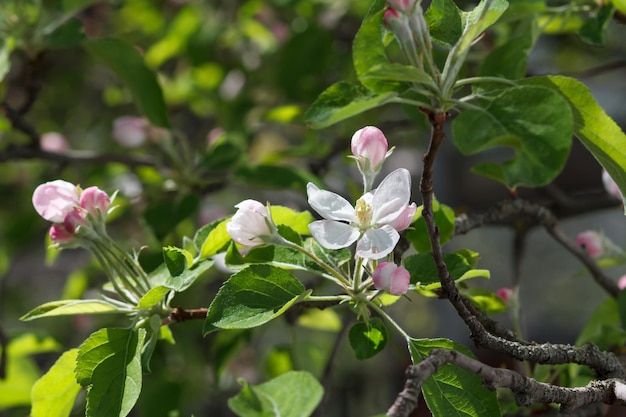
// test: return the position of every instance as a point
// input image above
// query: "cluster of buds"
(79, 220)
(70, 209)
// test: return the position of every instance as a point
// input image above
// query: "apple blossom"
(391, 278)
(59, 234)
(505, 294)
(73, 219)
(621, 283)
(53, 142)
(610, 185)
(370, 222)
(592, 242)
(129, 131)
(252, 224)
(55, 199)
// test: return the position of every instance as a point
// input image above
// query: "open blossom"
(371, 222)
(592, 242)
(252, 224)
(55, 199)
(391, 278)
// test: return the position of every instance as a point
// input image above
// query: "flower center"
(363, 213)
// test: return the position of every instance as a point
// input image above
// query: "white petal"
(377, 243)
(333, 235)
(330, 205)
(391, 197)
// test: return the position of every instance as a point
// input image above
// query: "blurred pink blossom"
(55, 199)
(130, 132)
(505, 294)
(592, 242)
(53, 142)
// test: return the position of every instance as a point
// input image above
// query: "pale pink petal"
(391, 197)
(55, 199)
(405, 218)
(592, 242)
(94, 199)
(611, 186)
(621, 283)
(59, 234)
(330, 205)
(333, 235)
(377, 243)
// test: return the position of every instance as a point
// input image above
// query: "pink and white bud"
(53, 142)
(611, 186)
(592, 242)
(369, 146)
(391, 278)
(505, 294)
(250, 224)
(405, 218)
(55, 199)
(59, 234)
(94, 200)
(74, 219)
(130, 132)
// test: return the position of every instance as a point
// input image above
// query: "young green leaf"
(343, 100)
(212, 238)
(592, 126)
(54, 394)
(444, 218)
(72, 308)
(424, 272)
(252, 297)
(444, 21)
(292, 394)
(594, 29)
(536, 122)
(177, 260)
(128, 65)
(109, 363)
(485, 300)
(453, 391)
(367, 339)
(153, 297)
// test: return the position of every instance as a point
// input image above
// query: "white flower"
(370, 222)
(252, 224)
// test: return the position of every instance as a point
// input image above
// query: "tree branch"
(527, 390)
(13, 153)
(508, 211)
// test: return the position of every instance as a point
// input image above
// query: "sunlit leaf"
(252, 297)
(292, 394)
(54, 394)
(368, 338)
(71, 308)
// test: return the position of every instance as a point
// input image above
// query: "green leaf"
(153, 297)
(212, 238)
(274, 176)
(292, 394)
(424, 272)
(485, 300)
(297, 220)
(536, 122)
(444, 219)
(398, 72)
(620, 5)
(183, 281)
(21, 371)
(221, 156)
(54, 394)
(128, 65)
(5, 53)
(252, 297)
(177, 260)
(69, 34)
(604, 327)
(70, 6)
(453, 391)
(445, 23)
(109, 363)
(592, 126)
(368, 50)
(341, 101)
(509, 59)
(594, 29)
(72, 308)
(367, 339)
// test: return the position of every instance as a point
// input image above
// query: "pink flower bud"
(53, 142)
(59, 234)
(250, 223)
(405, 218)
(130, 132)
(611, 186)
(73, 219)
(94, 199)
(54, 200)
(369, 146)
(505, 294)
(621, 283)
(391, 278)
(592, 242)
